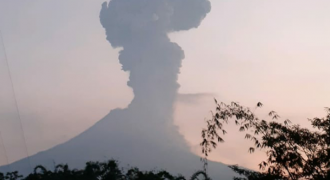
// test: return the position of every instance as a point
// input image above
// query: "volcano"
(143, 134)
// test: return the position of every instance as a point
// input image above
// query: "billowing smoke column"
(141, 28)
(143, 134)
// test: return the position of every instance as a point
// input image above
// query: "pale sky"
(67, 76)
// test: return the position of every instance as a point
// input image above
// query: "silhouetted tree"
(98, 171)
(13, 176)
(292, 152)
(252, 175)
(200, 173)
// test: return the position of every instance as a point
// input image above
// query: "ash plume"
(140, 27)
(143, 134)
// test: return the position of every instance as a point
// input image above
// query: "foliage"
(200, 173)
(98, 171)
(292, 152)
(252, 175)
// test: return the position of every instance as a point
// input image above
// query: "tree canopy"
(293, 152)
(99, 171)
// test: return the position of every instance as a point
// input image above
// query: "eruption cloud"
(140, 27)
(143, 134)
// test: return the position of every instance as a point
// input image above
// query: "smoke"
(129, 21)
(140, 27)
(143, 134)
(194, 98)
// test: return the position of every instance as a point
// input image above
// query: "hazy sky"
(67, 76)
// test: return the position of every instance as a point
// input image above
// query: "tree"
(99, 171)
(292, 152)
(13, 176)
(200, 173)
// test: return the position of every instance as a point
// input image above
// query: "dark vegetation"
(99, 171)
(293, 152)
